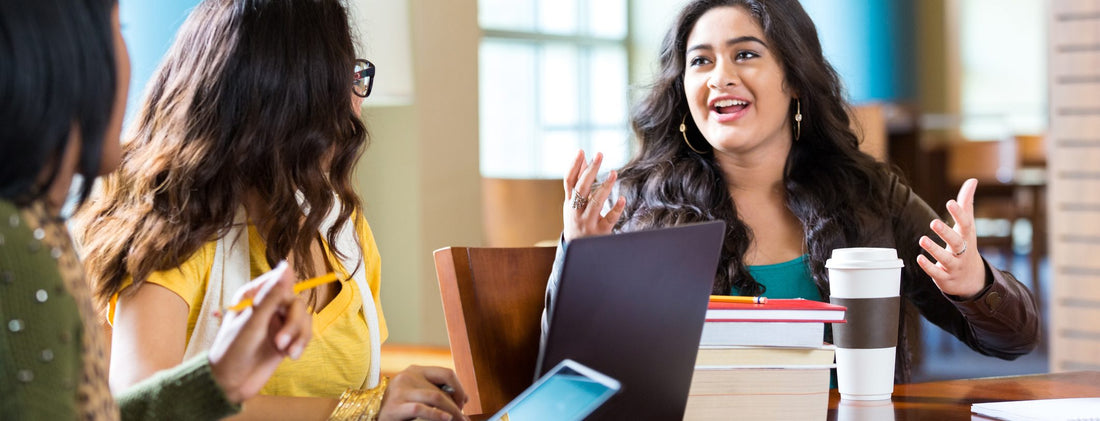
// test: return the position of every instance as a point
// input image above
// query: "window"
(553, 79)
(1004, 81)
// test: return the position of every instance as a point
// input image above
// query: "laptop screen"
(632, 306)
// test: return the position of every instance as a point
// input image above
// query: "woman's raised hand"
(959, 269)
(581, 212)
(251, 343)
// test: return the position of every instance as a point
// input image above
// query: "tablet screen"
(568, 392)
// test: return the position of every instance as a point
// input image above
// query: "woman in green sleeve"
(63, 73)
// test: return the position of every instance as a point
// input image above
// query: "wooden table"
(951, 400)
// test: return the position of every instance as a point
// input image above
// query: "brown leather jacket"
(1000, 321)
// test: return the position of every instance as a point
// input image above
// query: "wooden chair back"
(493, 300)
(991, 162)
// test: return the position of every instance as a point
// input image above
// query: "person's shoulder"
(16, 238)
(189, 275)
(899, 191)
(9, 216)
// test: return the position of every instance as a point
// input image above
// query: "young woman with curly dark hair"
(747, 123)
(241, 156)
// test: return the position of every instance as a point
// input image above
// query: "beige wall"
(419, 179)
(1074, 191)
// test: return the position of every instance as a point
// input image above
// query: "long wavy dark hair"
(830, 184)
(254, 97)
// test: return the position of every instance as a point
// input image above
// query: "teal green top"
(790, 279)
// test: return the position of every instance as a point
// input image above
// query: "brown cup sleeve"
(870, 323)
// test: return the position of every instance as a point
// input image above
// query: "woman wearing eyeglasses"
(241, 156)
(64, 74)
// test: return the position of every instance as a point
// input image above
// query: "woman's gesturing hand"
(581, 212)
(958, 269)
(251, 343)
(418, 392)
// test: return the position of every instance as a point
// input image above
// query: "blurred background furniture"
(869, 123)
(521, 212)
(398, 357)
(996, 208)
(493, 301)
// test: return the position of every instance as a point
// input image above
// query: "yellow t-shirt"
(338, 356)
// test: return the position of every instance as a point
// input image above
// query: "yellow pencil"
(298, 287)
(738, 299)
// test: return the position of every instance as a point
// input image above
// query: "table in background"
(951, 399)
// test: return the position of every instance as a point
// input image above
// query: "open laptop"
(632, 306)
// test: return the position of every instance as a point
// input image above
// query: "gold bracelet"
(374, 405)
(360, 405)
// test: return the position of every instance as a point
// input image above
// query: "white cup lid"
(864, 258)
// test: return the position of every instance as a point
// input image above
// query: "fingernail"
(296, 352)
(282, 340)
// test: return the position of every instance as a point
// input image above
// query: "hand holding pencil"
(251, 343)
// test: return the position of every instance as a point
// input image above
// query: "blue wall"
(871, 43)
(149, 26)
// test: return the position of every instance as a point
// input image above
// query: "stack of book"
(763, 361)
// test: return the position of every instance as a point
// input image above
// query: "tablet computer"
(569, 391)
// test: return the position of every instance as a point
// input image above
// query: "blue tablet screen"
(565, 395)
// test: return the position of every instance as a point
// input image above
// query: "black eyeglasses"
(364, 78)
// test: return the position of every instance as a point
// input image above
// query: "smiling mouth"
(730, 106)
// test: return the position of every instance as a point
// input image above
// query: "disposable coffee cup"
(868, 282)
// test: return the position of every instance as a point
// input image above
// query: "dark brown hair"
(254, 97)
(830, 184)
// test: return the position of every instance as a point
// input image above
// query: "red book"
(776, 310)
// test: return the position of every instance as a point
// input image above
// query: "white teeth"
(729, 103)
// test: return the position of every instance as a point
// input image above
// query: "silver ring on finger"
(579, 201)
(962, 250)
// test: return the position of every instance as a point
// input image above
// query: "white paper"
(1077, 409)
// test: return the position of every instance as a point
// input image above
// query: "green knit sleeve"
(185, 392)
(40, 328)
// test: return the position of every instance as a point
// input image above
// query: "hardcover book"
(779, 310)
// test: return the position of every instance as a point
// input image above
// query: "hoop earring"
(797, 119)
(683, 132)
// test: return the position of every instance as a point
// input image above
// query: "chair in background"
(493, 300)
(521, 212)
(869, 123)
(996, 208)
